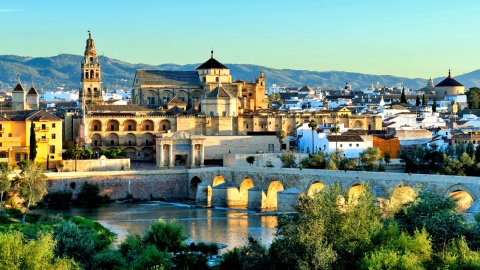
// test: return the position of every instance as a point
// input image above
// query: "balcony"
(2, 130)
(41, 129)
(42, 140)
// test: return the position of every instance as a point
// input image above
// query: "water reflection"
(225, 226)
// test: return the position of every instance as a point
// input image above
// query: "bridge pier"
(287, 199)
(256, 198)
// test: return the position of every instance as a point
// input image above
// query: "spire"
(212, 53)
(90, 47)
(18, 78)
(449, 74)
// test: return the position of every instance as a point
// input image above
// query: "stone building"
(91, 78)
(449, 86)
(24, 100)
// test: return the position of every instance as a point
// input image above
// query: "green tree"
(369, 158)
(313, 126)
(33, 142)
(477, 153)
(75, 243)
(250, 160)
(332, 230)
(20, 253)
(32, 184)
(387, 157)
(424, 100)
(74, 152)
(473, 98)
(434, 213)
(165, 236)
(459, 148)
(281, 136)
(335, 130)
(316, 161)
(470, 149)
(417, 101)
(5, 182)
(434, 106)
(403, 97)
(288, 159)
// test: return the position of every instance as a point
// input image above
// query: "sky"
(407, 38)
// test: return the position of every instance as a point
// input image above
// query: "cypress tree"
(417, 102)
(403, 98)
(424, 100)
(434, 106)
(33, 143)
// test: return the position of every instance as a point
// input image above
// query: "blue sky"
(409, 38)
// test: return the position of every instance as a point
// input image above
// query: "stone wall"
(217, 146)
(165, 184)
(100, 164)
(240, 160)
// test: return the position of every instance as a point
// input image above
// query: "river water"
(216, 225)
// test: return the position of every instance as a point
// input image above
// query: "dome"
(449, 82)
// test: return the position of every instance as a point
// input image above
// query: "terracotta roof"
(218, 92)
(167, 77)
(177, 101)
(306, 88)
(42, 116)
(175, 110)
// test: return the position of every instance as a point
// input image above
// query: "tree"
(316, 161)
(5, 182)
(477, 153)
(74, 152)
(403, 97)
(32, 184)
(281, 136)
(417, 101)
(313, 125)
(470, 149)
(250, 160)
(335, 129)
(165, 236)
(369, 157)
(332, 230)
(288, 160)
(33, 142)
(473, 98)
(424, 100)
(434, 106)
(387, 157)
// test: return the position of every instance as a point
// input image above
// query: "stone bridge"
(274, 188)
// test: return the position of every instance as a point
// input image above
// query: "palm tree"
(313, 125)
(335, 129)
(281, 136)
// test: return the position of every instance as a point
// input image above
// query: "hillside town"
(220, 116)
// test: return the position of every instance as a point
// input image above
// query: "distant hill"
(48, 73)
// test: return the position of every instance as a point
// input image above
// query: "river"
(216, 225)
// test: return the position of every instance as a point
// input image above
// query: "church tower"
(32, 100)
(18, 96)
(91, 91)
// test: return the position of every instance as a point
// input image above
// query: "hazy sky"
(410, 38)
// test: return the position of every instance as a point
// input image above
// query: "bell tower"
(91, 80)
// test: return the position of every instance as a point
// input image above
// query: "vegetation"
(288, 159)
(89, 196)
(5, 183)
(403, 97)
(31, 183)
(473, 98)
(281, 136)
(313, 126)
(335, 229)
(250, 160)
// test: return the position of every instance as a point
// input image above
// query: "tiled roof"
(212, 63)
(116, 108)
(344, 138)
(218, 92)
(167, 77)
(177, 101)
(42, 116)
(306, 88)
(175, 110)
(18, 88)
(32, 91)
(449, 81)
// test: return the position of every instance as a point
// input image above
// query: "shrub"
(74, 243)
(205, 248)
(109, 260)
(58, 199)
(131, 247)
(89, 196)
(151, 257)
(165, 236)
(190, 261)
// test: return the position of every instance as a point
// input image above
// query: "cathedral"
(91, 80)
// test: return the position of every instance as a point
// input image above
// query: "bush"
(131, 247)
(89, 196)
(190, 261)
(74, 243)
(151, 257)
(109, 260)
(165, 236)
(205, 248)
(58, 199)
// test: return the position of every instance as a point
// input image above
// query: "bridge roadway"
(278, 188)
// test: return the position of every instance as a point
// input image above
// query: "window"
(147, 142)
(164, 127)
(3, 155)
(0, 144)
(349, 145)
(129, 127)
(147, 127)
(341, 145)
(25, 157)
(9, 134)
(44, 137)
(112, 142)
(358, 145)
(53, 125)
(52, 149)
(17, 157)
(129, 143)
(95, 143)
(54, 136)
(112, 127)
(44, 126)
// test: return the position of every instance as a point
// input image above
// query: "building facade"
(91, 78)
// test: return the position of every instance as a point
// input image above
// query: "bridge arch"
(461, 195)
(245, 185)
(314, 188)
(218, 180)
(401, 195)
(194, 182)
(272, 194)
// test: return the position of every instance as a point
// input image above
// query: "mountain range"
(48, 73)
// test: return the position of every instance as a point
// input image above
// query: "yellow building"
(15, 133)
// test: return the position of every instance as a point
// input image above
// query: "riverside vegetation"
(332, 229)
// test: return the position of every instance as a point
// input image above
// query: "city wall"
(100, 164)
(146, 185)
